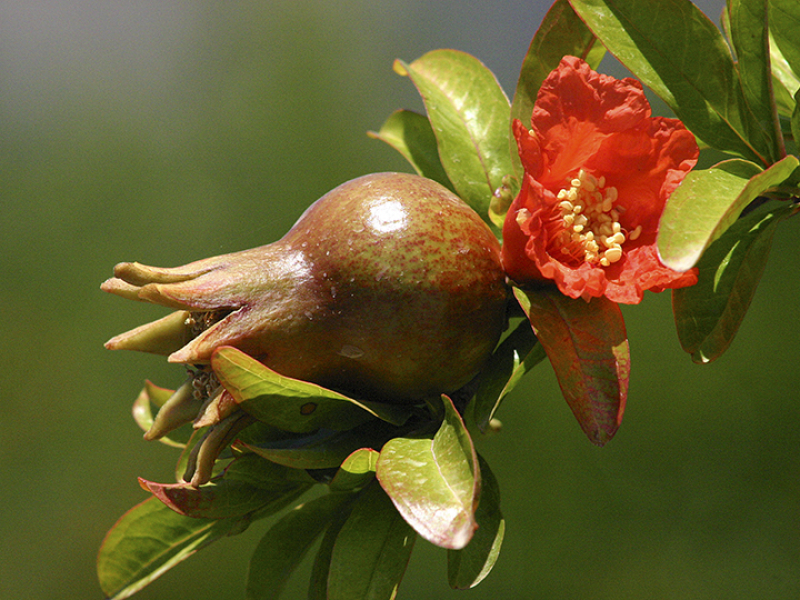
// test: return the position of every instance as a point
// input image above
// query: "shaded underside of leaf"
(750, 37)
(709, 314)
(283, 547)
(588, 348)
(371, 551)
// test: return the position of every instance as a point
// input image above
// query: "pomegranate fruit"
(389, 287)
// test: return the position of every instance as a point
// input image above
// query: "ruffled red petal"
(585, 120)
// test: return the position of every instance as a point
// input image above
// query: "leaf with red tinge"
(248, 484)
(435, 481)
(588, 348)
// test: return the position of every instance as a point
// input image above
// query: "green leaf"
(324, 448)
(661, 43)
(784, 23)
(320, 571)
(371, 552)
(709, 314)
(283, 547)
(411, 135)
(796, 117)
(434, 482)
(467, 567)
(750, 38)
(708, 202)
(356, 471)
(248, 484)
(785, 82)
(561, 33)
(469, 113)
(149, 540)
(515, 356)
(291, 404)
(588, 348)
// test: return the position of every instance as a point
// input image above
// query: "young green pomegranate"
(389, 288)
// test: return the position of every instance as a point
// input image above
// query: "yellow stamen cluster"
(591, 221)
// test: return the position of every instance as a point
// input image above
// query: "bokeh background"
(164, 132)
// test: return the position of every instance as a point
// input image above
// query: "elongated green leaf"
(784, 23)
(709, 314)
(750, 37)
(467, 567)
(411, 135)
(561, 33)
(514, 357)
(469, 113)
(434, 482)
(283, 547)
(371, 552)
(291, 404)
(149, 540)
(356, 471)
(660, 43)
(588, 348)
(708, 202)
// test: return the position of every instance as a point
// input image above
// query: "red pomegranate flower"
(598, 172)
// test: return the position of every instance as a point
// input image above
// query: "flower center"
(591, 231)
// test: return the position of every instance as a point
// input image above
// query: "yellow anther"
(635, 233)
(590, 220)
(523, 214)
(613, 254)
(618, 238)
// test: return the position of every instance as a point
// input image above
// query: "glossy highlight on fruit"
(389, 287)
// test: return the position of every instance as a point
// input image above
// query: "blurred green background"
(165, 132)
